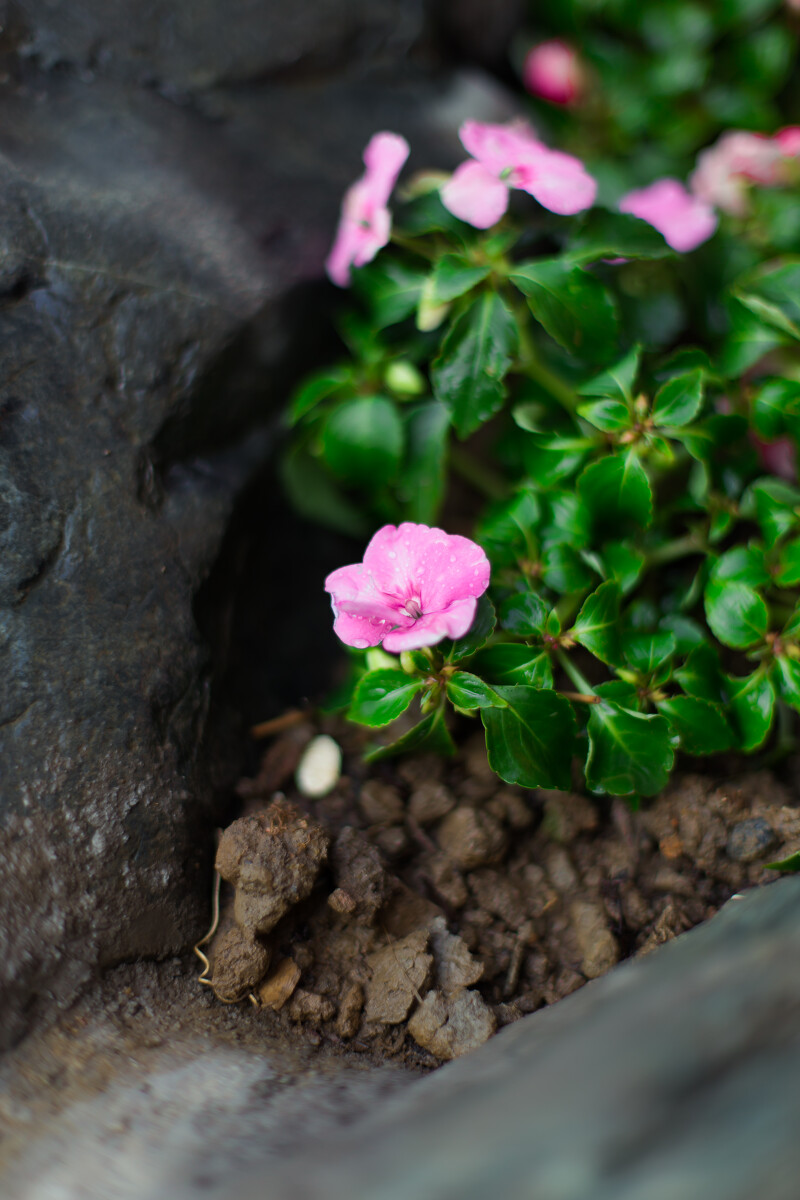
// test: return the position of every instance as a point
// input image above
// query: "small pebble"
(276, 990)
(471, 837)
(449, 1026)
(350, 1008)
(380, 803)
(400, 971)
(597, 943)
(320, 767)
(309, 1006)
(430, 802)
(750, 839)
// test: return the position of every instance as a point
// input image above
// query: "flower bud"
(404, 379)
(553, 71)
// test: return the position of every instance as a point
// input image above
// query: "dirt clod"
(276, 990)
(401, 971)
(471, 837)
(455, 966)
(359, 872)
(596, 942)
(239, 962)
(351, 1005)
(430, 801)
(311, 1007)
(380, 803)
(449, 1026)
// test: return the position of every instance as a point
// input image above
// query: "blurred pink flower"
(779, 457)
(725, 170)
(415, 586)
(553, 71)
(366, 222)
(682, 219)
(789, 138)
(510, 156)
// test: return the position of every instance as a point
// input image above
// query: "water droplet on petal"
(392, 554)
(360, 643)
(452, 558)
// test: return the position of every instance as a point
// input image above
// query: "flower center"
(413, 608)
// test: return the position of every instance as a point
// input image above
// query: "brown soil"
(423, 903)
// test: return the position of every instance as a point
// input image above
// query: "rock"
(272, 860)
(510, 807)
(498, 895)
(393, 842)
(239, 962)
(319, 768)
(400, 972)
(449, 1026)
(454, 965)
(471, 837)
(447, 881)
(380, 803)
(597, 944)
(311, 1007)
(348, 1018)
(359, 872)
(276, 990)
(566, 815)
(430, 801)
(750, 839)
(560, 869)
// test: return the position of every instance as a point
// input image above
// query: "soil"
(422, 903)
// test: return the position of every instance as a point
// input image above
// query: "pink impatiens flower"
(510, 156)
(682, 219)
(725, 171)
(366, 222)
(553, 71)
(415, 586)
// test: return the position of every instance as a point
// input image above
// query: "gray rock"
(750, 839)
(452, 1025)
(597, 944)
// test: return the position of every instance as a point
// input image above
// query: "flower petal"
(684, 220)
(475, 195)
(419, 562)
(558, 181)
(453, 622)
(498, 147)
(384, 158)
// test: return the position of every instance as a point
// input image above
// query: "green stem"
(680, 548)
(580, 681)
(531, 365)
(483, 478)
(411, 244)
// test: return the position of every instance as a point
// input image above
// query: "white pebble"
(320, 767)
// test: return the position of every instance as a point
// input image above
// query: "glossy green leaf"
(679, 400)
(314, 494)
(609, 416)
(524, 613)
(606, 234)
(429, 736)
(787, 672)
(786, 865)
(453, 276)
(616, 491)
(507, 529)
(629, 752)
(363, 440)
(788, 572)
(381, 696)
(615, 382)
(772, 294)
(752, 707)
(736, 613)
(509, 662)
(530, 742)
(391, 288)
(597, 624)
(564, 571)
(701, 675)
(700, 726)
(775, 505)
(475, 356)
(647, 651)
(476, 636)
(741, 564)
(623, 562)
(572, 305)
(422, 480)
(467, 691)
(687, 632)
(776, 408)
(315, 389)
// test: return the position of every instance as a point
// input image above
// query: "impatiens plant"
(607, 401)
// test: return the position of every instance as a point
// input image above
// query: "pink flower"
(789, 138)
(510, 156)
(725, 170)
(779, 456)
(683, 220)
(366, 222)
(415, 586)
(553, 71)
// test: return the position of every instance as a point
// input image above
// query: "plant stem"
(581, 683)
(581, 697)
(483, 478)
(531, 365)
(412, 245)
(672, 550)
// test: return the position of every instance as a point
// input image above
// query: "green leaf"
(597, 624)
(564, 571)
(752, 706)
(473, 361)
(509, 662)
(507, 528)
(624, 563)
(788, 573)
(609, 234)
(736, 613)
(647, 651)
(775, 505)
(629, 752)
(465, 690)
(453, 276)
(530, 741)
(616, 491)
(742, 564)
(476, 636)
(700, 726)
(679, 400)
(792, 863)
(314, 495)
(524, 613)
(381, 696)
(776, 408)
(772, 293)
(701, 675)
(362, 441)
(609, 416)
(429, 736)
(788, 672)
(422, 481)
(616, 382)
(316, 388)
(391, 288)
(572, 305)
(687, 632)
